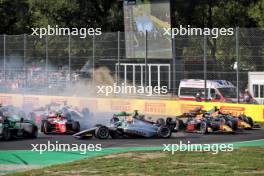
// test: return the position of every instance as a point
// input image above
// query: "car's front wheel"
(164, 132)
(6, 134)
(203, 128)
(102, 132)
(46, 127)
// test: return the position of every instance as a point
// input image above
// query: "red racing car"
(58, 123)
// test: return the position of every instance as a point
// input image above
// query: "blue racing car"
(124, 125)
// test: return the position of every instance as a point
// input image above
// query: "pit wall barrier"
(151, 107)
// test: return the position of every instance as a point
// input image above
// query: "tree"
(15, 17)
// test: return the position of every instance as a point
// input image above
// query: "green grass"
(243, 161)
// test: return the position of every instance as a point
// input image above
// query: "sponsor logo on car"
(136, 132)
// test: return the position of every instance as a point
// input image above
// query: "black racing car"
(123, 125)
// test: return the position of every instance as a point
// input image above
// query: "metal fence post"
(118, 57)
(46, 65)
(93, 62)
(146, 56)
(173, 66)
(238, 62)
(4, 58)
(69, 52)
(205, 67)
(24, 62)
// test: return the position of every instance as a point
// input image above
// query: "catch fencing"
(70, 65)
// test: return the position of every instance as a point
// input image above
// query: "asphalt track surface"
(193, 138)
(103, 118)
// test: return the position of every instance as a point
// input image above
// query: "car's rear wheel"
(34, 133)
(250, 121)
(164, 132)
(6, 134)
(102, 132)
(203, 128)
(233, 124)
(46, 127)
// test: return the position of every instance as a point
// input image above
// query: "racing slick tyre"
(233, 125)
(76, 127)
(203, 128)
(164, 132)
(34, 133)
(160, 121)
(171, 124)
(102, 132)
(250, 121)
(46, 127)
(6, 134)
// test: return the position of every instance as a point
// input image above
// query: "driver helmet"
(58, 114)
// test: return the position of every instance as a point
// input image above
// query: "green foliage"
(19, 16)
(15, 16)
(257, 13)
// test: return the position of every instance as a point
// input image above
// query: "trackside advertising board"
(151, 107)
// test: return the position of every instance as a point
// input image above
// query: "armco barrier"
(154, 107)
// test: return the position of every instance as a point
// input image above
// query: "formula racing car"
(57, 122)
(40, 114)
(243, 121)
(207, 122)
(124, 125)
(13, 125)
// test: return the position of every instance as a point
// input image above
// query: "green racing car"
(13, 125)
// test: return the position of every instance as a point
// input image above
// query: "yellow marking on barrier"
(154, 107)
